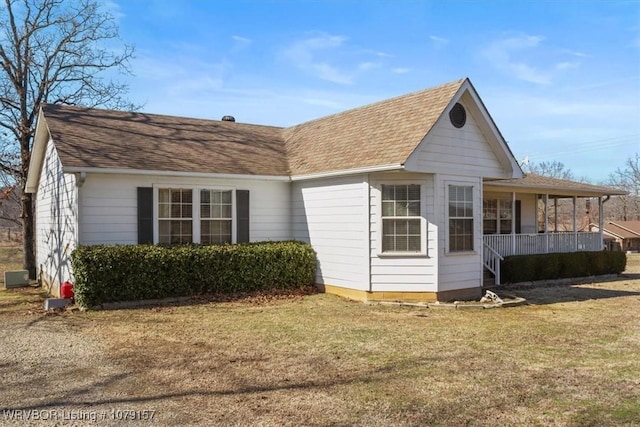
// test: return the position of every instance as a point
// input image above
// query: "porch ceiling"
(537, 184)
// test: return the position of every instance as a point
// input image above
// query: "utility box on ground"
(16, 279)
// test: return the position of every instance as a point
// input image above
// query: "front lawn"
(568, 358)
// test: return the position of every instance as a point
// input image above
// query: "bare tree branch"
(50, 50)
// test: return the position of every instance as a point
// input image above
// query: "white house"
(406, 199)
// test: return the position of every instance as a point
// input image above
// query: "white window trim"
(473, 185)
(423, 221)
(195, 217)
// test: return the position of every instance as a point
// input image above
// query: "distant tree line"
(617, 208)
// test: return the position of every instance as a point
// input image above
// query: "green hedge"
(137, 272)
(525, 268)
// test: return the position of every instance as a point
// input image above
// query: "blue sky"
(560, 78)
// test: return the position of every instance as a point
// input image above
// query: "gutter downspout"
(601, 216)
(368, 222)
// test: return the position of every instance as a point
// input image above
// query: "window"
(497, 216)
(506, 216)
(175, 216)
(215, 216)
(490, 216)
(180, 223)
(401, 218)
(460, 218)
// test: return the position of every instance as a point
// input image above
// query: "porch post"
(575, 223)
(546, 222)
(513, 222)
(555, 214)
(600, 218)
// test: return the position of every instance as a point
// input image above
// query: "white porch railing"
(529, 244)
(492, 261)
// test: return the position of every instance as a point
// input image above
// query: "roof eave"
(354, 171)
(554, 190)
(123, 171)
(38, 151)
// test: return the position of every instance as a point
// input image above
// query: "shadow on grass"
(78, 396)
(570, 293)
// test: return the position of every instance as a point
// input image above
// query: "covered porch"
(537, 215)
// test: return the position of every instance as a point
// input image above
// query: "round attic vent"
(228, 119)
(458, 115)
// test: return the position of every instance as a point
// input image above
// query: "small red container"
(66, 290)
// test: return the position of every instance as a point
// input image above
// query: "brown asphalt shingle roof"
(555, 185)
(380, 134)
(624, 229)
(93, 138)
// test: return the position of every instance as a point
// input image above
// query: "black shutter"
(518, 216)
(145, 215)
(242, 216)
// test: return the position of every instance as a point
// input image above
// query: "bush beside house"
(137, 272)
(525, 268)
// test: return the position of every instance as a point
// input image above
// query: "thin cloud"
(113, 9)
(303, 54)
(439, 41)
(401, 70)
(575, 53)
(567, 65)
(377, 53)
(503, 55)
(365, 66)
(240, 43)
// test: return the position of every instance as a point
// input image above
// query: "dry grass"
(568, 358)
(10, 259)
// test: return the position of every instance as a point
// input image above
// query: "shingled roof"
(94, 138)
(544, 184)
(623, 229)
(380, 134)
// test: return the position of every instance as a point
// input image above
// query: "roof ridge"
(377, 103)
(625, 228)
(142, 113)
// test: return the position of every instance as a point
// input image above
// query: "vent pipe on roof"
(228, 119)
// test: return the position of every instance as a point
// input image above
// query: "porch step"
(488, 279)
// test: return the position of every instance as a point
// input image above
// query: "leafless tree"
(52, 51)
(552, 169)
(626, 208)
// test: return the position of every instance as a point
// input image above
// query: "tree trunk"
(28, 240)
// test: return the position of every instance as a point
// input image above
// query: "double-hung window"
(175, 216)
(401, 218)
(460, 218)
(215, 216)
(194, 216)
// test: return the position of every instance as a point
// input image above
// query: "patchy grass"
(569, 358)
(19, 300)
(633, 263)
(10, 259)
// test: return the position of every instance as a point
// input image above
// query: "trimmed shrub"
(525, 268)
(136, 272)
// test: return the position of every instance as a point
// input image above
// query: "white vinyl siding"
(331, 214)
(108, 205)
(529, 210)
(55, 220)
(463, 151)
(404, 272)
